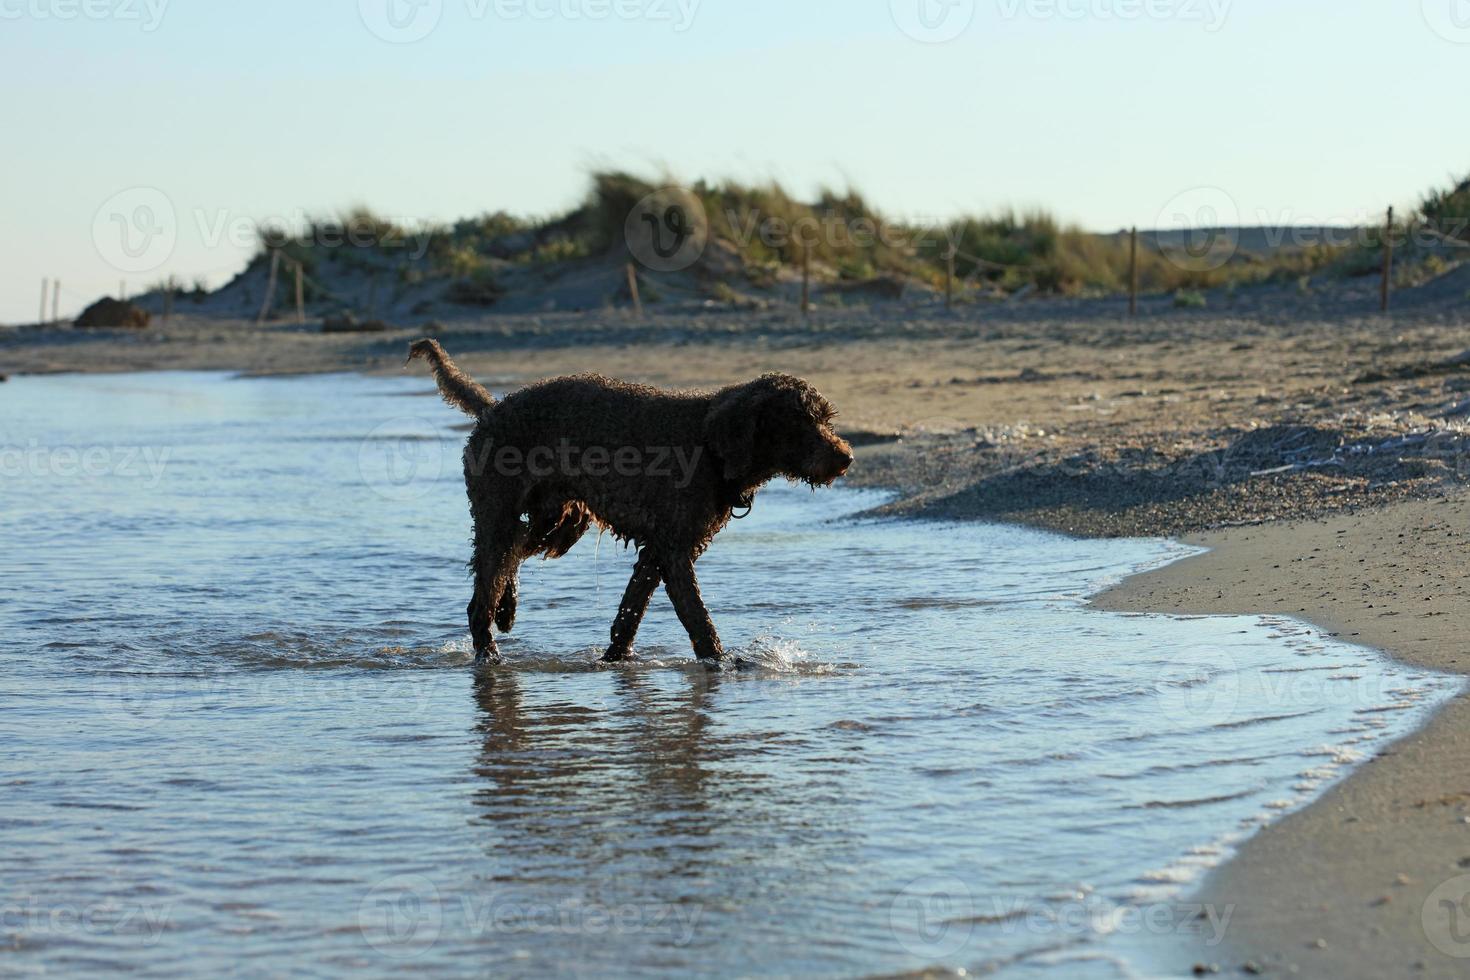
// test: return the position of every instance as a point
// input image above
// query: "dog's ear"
(729, 429)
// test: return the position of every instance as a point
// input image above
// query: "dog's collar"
(745, 500)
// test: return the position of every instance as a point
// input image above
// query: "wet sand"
(1341, 889)
(1318, 450)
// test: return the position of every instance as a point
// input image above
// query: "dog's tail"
(458, 388)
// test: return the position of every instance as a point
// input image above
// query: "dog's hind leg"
(641, 586)
(505, 612)
(683, 589)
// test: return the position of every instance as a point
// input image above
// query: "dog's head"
(776, 425)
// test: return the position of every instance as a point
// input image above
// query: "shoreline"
(1097, 427)
(1348, 885)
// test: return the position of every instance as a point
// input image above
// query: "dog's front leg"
(641, 586)
(683, 589)
(486, 650)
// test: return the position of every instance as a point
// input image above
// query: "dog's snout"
(844, 460)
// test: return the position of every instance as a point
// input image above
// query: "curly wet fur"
(730, 443)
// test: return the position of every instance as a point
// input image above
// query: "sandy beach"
(1318, 451)
(1342, 888)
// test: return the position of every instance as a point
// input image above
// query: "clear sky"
(1104, 111)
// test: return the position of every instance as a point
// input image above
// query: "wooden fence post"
(56, 301)
(1133, 273)
(633, 290)
(949, 279)
(1387, 262)
(300, 298)
(45, 288)
(270, 289)
(168, 300)
(806, 280)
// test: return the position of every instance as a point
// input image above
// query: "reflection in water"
(645, 805)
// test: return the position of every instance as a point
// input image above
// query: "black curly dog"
(662, 470)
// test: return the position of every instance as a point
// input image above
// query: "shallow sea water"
(241, 729)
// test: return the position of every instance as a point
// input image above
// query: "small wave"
(1264, 719)
(1386, 708)
(1305, 670)
(942, 603)
(1201, 801)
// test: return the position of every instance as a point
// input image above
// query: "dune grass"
(768, 230)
